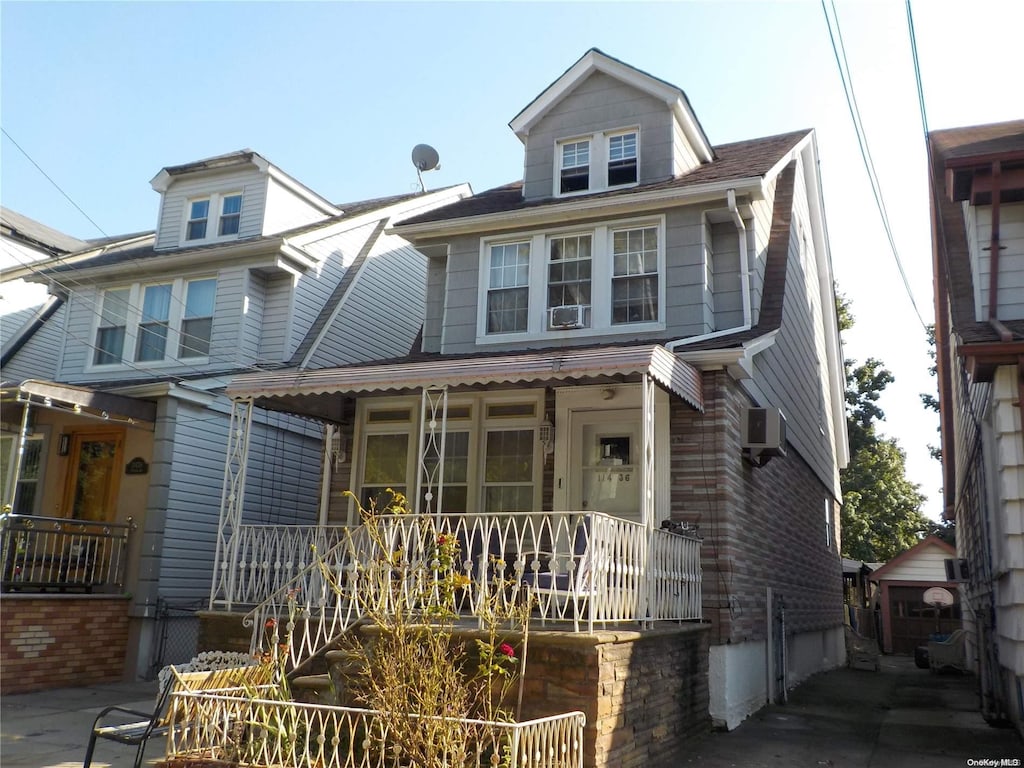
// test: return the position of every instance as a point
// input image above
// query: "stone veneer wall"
(55, 641)
(644, 693)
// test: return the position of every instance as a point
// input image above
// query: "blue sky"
(103, 95)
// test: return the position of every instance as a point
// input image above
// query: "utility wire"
(839, 51)
(55, 184)
(917, 73)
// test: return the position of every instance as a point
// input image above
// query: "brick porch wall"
(56, 641)
(762, 526)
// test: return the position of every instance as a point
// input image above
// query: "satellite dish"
(425, 157)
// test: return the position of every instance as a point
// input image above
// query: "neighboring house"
(977, 200)
(907, 619)
(640, 333)
(115, 401)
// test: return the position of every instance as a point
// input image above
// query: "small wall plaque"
(136, 466)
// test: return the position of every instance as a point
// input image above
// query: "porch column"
(14, 469)
(232, 496)
(647, 494)
(433, 430)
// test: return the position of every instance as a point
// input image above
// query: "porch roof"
(81, 400)
(292, 390)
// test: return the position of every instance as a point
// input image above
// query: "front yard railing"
(255, 731)
(52, 553)
(577, 569)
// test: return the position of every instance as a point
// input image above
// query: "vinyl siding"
(435, 304)
(251, 320)
(286, 210)
(274, 346)
(926, 565)
(1010, 296)
(174, 209)
(40, 355)
(335, 254)
(599, 103)
(382, 312)
(728, 304)
(282, 486)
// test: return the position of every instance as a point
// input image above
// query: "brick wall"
(59, 641)
(762, 526)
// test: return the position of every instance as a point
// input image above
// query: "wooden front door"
(94, 475)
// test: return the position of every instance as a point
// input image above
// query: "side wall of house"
(39, 358)
(763, 527)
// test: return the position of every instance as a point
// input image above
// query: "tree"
(881, 514)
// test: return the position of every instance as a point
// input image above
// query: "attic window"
(198, 214)
(230, 214)
(622, 159)
(575, 166)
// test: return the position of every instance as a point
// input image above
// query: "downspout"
(744, 282)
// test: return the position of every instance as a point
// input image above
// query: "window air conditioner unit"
(567, 316)
(764, 432)
(956, 569)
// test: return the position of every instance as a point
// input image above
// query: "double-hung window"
(225, 210)
(635, 275)
(155, 323)
(569, 274)
(597, 162)
(508, 292)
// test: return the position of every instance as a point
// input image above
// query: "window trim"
(599, 161)
(600, 283)
(214, 216)
(133, 322)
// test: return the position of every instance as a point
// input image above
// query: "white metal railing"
(262, 731)
(583, 568)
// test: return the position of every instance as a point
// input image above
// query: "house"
(639, 337)
(115, 422)
(977, 196)
(907, 610)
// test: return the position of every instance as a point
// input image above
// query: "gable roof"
(910, 554)
(596, 60)
(753, 159)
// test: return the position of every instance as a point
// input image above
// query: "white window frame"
(214, 214)
(600, 318)
(478, 424)
(176, 312)
(599, 159)
(41, 436)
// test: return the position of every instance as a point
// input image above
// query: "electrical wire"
(839, 51)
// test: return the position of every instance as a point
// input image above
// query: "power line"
(55, 184)
(917, 72)
(839, 51)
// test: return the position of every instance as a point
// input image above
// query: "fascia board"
(167, 389)
(592, 61)
(558, 213)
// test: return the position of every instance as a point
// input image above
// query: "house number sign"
(136, 466)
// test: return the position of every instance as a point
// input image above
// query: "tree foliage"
(881, 514)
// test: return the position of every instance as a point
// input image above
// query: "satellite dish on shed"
(425, 158)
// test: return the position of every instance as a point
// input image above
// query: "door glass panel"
(508, 471)
(386, 463)
(95, 478)
(607, 452)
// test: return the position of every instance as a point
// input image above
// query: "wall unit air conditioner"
(956, 569)
(764, 432)
(568, 316)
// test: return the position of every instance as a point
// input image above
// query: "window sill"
(141, 367)
(626, 329)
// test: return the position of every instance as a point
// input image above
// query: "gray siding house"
(115, 393)
(640, 336)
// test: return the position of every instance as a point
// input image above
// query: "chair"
(949, 653)
(138, 732)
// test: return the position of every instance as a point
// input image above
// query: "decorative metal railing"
(227, 725)
(583, 569)
(43, 553)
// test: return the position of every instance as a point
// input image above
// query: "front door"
(94, 474)
(605, 458)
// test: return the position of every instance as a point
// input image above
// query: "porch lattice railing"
(585, 569)
(39, 553)
(258, 731)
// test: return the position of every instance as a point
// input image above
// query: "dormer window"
(199, 213)
(598, 162)
(226, 211)
(230, 215)
(575, 174)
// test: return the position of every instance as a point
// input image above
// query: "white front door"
(605, 455)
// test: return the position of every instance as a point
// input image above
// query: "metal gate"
(177, 634)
